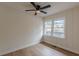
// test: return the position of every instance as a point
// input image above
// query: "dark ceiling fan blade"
(45, 7)
(30, 10)
(43, 12)
(34, 5)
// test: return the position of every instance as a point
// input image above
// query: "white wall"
(71, 41)
(18, 29)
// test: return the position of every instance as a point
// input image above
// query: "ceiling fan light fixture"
(38, 11)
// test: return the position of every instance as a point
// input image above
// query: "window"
(58, 29)
(54, 28)
(47, 26)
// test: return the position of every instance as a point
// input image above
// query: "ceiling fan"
(38, 8)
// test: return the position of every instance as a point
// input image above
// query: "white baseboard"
(3, 52)
(77, 52)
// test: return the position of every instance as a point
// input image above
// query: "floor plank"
(40, 50)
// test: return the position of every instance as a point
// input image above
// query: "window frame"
(44, 28)
(64, 27)
(52, 27)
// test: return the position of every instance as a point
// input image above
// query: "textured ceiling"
(55, 6)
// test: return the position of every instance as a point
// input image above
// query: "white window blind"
(54, 28)
(47, 28)
(58, 29)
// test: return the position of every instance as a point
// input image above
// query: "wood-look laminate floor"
(40, 50)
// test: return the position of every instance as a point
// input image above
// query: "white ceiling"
(55, 6)
(58, 7)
